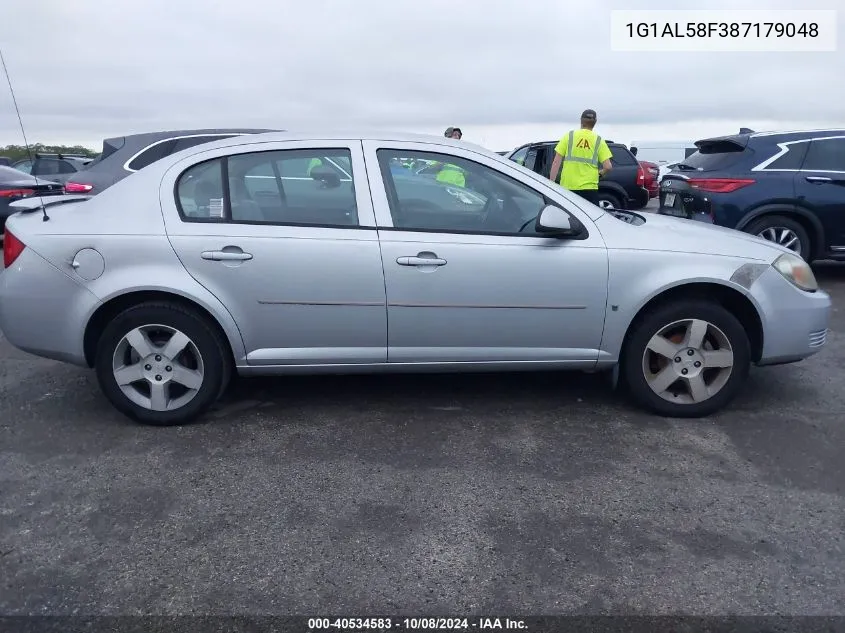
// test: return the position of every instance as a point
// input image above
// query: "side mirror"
(556, 222)
(327, 176)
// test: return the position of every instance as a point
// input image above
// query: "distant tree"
(18, 152)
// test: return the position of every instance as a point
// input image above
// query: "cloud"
(110, 68)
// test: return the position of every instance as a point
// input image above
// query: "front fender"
(636, 277)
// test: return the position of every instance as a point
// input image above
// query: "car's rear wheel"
(686, 359)
(161, 364)
(784, 231)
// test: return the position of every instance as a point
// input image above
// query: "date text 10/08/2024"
(722, 29)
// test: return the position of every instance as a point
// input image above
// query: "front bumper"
(42, 310)
(795, 323)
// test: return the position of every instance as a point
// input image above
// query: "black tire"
(781, 221)
(212, 348)
(611, 198)
(651, 323)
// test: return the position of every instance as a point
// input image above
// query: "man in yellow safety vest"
(585, 157)
(452, 174)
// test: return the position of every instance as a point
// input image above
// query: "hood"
(665, 233)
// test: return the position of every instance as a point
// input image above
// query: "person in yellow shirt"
(452, 174)
(585, 157)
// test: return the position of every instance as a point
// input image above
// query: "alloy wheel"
(606, 205)
(688, 361)
(158, 367)
(783, 236)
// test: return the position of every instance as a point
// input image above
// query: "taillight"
(15, 193)
(12, 248)
(719, 185)
(640, 176)
(77, 187)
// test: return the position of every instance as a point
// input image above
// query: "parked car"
(15, 186)
(787, 187)
(55, 167)
(665, 169)
(622, 188)
(124, 155)
(5, 161)
(651, 171)
(281, 254)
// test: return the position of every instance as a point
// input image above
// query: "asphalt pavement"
(517, 493)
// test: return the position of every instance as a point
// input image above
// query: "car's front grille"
(817, 339)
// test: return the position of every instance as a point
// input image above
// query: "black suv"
(787, 187)
(55, 167)
(622, 188)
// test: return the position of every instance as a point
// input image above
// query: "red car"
(652, 170)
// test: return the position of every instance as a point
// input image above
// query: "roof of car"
(155, 136)
(401, 137)
(800, 133)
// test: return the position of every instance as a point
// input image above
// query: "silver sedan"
(284, 253)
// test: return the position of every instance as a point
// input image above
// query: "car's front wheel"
(686, 359)
(161, 364)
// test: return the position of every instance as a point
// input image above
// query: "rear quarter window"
(152, 154)
(193, 141)
(792, 159)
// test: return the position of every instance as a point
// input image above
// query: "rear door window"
(826, 154)
(295, 187)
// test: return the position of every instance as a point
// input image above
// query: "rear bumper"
(32, 293)
(640, 196)
(795, 323)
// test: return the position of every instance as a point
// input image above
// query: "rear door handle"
(818, 179)
(420, 261)
(226, 256)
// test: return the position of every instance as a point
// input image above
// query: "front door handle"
(818, 179)
(420, 261)
(226, 256)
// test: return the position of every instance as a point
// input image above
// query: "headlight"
(797, 271)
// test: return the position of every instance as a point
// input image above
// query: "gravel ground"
(543, 493)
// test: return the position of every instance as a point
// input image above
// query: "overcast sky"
(505, 71)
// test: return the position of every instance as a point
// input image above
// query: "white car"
(665, 169)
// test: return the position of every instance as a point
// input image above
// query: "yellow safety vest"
(582, 151)
(452, 175)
